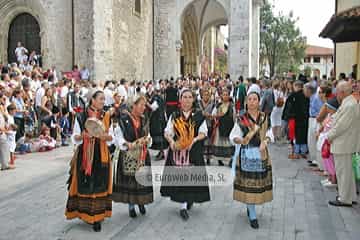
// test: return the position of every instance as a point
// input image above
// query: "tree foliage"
(282, 46)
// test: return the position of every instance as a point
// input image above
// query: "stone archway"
(242, 17)
(196, 18)
(24, 28)
(190, 43)
(14, 9)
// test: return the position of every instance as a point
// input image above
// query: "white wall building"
(320, 60)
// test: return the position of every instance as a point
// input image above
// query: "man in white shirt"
(122, 89)
(20, 51)
(254, 87)
(40, 93)
(108, 92)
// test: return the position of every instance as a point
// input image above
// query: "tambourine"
(95, 127)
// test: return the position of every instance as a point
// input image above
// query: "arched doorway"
(201, 37)
(25, 29)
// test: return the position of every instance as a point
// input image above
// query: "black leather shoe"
(338, 199)
(132, 213)
(160, 156)
(254, 224)
(184, 214)
(189, 206)
(142, 209)
(221, 163)
(97, 227)
(337, 203)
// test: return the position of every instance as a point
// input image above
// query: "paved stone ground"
(32, 201)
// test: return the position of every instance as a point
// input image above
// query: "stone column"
(84, 33)
(240, 38)
(94, 37)
(212, 50)
(103, 40)
(255, 51)
(167, 42)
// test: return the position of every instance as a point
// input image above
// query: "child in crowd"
(52, 122)
(25, 144)
(30, 119)
(10, 134)
(11, 109)
(64, 127)
(47, 143)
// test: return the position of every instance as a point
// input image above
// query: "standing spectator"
(19, 51)
(276, 123)
(268, 100)
(76, 75)
(109, 93)
(239, 95)
(85, 74)
(47, 104)
(122, 89)
(33, 58)
(297, 113)
(254, 87)
(19, 117)
(345, 132)
(314, 109)
(4, 147)
(11, 139)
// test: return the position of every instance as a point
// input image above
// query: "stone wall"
(54, 18)
(165, 37)
(133, 48)
(84, 33)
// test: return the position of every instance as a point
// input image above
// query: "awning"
(343, 27)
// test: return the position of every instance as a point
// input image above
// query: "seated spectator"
(46, 142)
(25, 144)
(52, 122)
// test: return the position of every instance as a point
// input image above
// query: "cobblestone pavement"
(32, 202)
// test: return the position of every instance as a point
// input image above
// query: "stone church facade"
(134, 39)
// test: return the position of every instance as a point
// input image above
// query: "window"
(138, 7)
(316, 59)
(306, 60)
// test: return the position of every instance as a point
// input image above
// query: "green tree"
(307, 71)
(282, 46)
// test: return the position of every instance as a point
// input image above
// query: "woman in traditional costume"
(185, 131)
(132, 139)
(158, 123)
(223, 115)
(90, 182)
(253, 180)
(206, 105)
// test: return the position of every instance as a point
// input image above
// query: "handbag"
(325, 149)
(356, 165)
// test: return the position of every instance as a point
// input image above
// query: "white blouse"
(77, 132)
(120, 141)
(236, 132)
